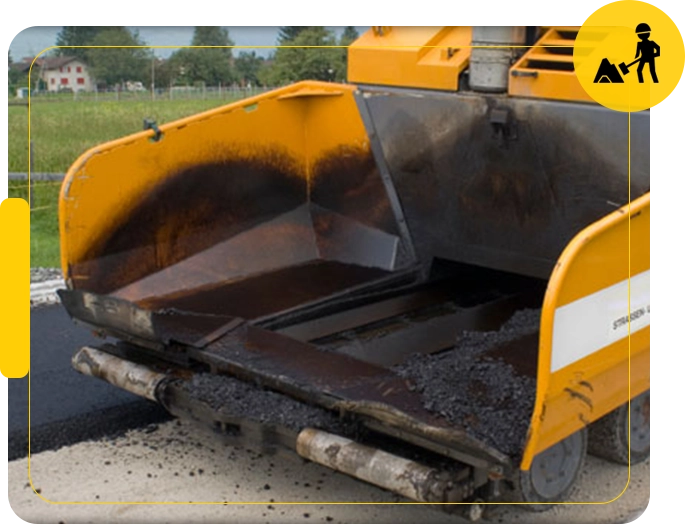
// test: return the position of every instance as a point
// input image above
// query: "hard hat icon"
(642, 28)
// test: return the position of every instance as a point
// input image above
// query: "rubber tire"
(608, 437)
(525, 488)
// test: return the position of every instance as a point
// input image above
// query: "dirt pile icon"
(608, 74)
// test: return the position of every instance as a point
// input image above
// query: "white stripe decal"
(597, 320)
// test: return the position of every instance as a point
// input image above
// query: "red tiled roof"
(54, 62)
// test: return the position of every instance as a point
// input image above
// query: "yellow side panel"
(345, 129)
(609, 255)
(594, 386)
(298, 124)
(595, 327)
(420, 57)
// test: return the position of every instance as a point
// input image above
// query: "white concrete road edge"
(44, 293)
(180, 462)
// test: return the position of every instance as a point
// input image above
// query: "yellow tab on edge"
(15, 308)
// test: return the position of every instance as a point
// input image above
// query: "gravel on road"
(179, 462)
(42, 274)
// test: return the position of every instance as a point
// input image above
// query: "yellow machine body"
(421, 57)
(604, 274)
(375, 180)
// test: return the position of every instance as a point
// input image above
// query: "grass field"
(60, 132)
(45, 249)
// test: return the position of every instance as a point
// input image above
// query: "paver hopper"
(328, 249)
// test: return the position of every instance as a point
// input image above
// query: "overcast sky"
(33, 40)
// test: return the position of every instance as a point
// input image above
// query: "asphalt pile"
(475, 388)
(235, 398)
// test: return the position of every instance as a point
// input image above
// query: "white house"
(65, 73)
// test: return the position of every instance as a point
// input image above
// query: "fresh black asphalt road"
(67, 407)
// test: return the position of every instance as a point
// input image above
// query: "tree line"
(213, 65)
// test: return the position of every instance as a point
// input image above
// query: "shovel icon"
(625, 68)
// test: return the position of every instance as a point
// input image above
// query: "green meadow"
(60, 132)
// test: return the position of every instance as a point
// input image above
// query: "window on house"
(52, 80)
(61, 70)
(80, 81)
(69, 69)
(64, 81)
(78, 69)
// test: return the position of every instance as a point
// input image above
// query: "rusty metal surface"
(359, 316)
(408, 249)
(392, 284)
(269, 293)
(347, 182)
(392, 344)
(336, 381)
(521, 354)
(190, 211)
(172, 319)
(221, 239)
(285, 240)
(344, 240)
(333, 380)
(304, 235)
(127, 321)
(209, 224)
(507, 196)
(254, 352)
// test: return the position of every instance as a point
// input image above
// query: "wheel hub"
(554, 470)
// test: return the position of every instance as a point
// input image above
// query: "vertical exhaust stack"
(489, 66)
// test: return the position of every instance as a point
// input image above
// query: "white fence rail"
(52, 177)
(158, 94)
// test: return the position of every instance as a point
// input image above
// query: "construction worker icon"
(613, 34)
(646, 53)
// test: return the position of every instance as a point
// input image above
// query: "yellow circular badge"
(629, 56)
